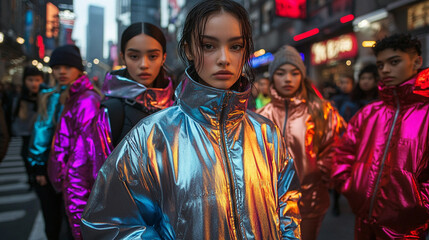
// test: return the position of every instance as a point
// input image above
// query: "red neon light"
(307, 34)
(41, 46)
(347, 18)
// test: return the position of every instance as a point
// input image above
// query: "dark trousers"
(52, 205)
(24, 155)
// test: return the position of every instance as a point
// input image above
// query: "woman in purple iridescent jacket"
(67, 168)
(131, 94)
(134, 92)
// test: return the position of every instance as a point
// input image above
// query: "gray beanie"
(287, 54)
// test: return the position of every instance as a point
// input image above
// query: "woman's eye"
(207, 46)
(153, 57)
(295, 73)
(279, 73)
(133, 56)
(237, 47)
(380, 66)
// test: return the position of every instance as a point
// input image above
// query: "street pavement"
(338, 227)
(20, 217)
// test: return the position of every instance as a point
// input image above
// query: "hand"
(41, 180)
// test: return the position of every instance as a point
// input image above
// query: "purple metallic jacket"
(150, 99)
(382, 164)
(68, 168)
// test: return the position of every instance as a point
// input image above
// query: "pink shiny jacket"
(312, 154)
(68, 168)
(382, 164)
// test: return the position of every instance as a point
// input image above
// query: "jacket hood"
(416, 89)
(212, 106)
(152, 98)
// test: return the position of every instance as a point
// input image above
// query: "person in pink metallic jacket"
(67, 166)
(382, 163)
(310, 127)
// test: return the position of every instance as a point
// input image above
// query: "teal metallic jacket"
(203, 169)
(44, 129)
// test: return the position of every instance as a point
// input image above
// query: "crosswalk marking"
(13, 177)
(15, 196)
(11, 215)
(13, 187)
(18, 198)
(11, 164)
(12, 170)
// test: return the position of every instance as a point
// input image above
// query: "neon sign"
(342, 47)
(261, 60)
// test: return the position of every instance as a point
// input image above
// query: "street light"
(20, 40)
(96, 61)
(34, 62)
(46, 59)
(1, 37)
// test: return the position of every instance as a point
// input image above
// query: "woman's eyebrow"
(229, 40)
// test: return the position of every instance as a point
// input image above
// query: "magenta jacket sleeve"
(59, 154)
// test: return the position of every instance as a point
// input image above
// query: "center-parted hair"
(145, 28)
(194, 27)
(154, 32)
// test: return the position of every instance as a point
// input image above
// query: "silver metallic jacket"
(202, 169)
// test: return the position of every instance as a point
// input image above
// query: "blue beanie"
(68, 55)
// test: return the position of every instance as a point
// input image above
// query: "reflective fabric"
(150, 100)
(313, 157)
(44, 129)
(68, 167)
(202, 169)
(382, 164)
(100, 134)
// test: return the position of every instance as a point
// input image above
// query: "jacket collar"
(280, 102)
(80, 85)
(212, 106)
(150, 98)
(413, 90)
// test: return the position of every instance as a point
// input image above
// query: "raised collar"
(408, 92)
(280, 102)
(211, 106)
(151, 98)
(80, 85)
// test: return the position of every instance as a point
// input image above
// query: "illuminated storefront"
(333, 57)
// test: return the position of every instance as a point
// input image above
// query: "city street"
(20, 217)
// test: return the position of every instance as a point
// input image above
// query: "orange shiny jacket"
(310, 147)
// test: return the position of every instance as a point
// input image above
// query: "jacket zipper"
(371, 206)
(229, 169)
(284, 125)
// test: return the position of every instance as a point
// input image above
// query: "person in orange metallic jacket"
(310, 127)
(382, 163)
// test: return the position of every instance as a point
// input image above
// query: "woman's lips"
(223, 75)
(144, 76)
